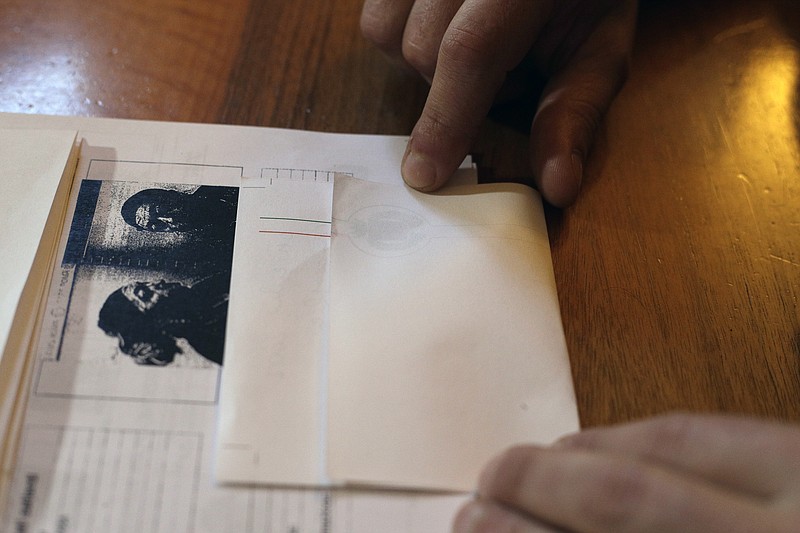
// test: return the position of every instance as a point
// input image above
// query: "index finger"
(383, 23)
(484, 41)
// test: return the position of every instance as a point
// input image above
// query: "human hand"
(466, 48)
(671, 473)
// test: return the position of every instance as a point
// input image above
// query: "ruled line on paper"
(296, 219)
(115, 479)
(296, 233)
(291, 231)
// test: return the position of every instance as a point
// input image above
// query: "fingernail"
(418, 171)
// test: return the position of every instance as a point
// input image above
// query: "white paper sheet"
(445, 336)
(271, 420)
(33, 164)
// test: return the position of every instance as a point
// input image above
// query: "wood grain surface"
(678, 269)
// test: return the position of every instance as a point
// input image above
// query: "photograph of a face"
(144, 281)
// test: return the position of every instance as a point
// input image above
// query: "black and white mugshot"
(148, 318)
(207, 211)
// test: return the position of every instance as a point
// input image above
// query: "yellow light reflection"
(768, 100)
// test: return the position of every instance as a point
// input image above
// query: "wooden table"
(678, 269)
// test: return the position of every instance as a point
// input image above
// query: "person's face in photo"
(163, 218)
(145, 295)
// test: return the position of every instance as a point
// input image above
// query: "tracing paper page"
(400, 339)
(272, 411)
(119, 433)
(446, 345)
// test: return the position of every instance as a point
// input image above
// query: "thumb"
(571, 108)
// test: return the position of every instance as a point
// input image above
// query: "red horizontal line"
(296, 233)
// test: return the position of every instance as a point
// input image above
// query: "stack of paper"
(375, 336)
(37, 175)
